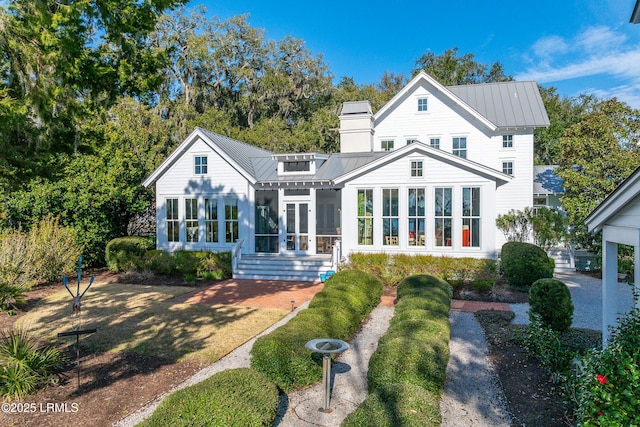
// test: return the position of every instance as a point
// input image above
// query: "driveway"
(586, 294)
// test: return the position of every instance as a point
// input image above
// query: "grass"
(147, 320)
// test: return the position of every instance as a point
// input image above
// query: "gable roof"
(237, 154)
(507, 104)
(622, 196)
(389, 156)
(495, 105)
(545, 180)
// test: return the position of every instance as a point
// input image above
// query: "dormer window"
(297, 166)
(200, 165)
(422, 104)
(387, 145)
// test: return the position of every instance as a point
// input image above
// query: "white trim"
(616, 201)
(424, 77)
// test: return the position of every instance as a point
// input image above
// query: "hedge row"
(407, 371)
(335, 312)
(233, 398)
(137, 253)
(392, 268)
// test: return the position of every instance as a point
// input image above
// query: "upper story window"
(299, 166)
(507, 167)
(411, 140)
(435, 142)
(387, 145)
(460, 146)
(416, 168)
(507, 141)
(422, 104)
(200, 165)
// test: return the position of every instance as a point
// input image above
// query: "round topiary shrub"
(524, 263)
(550, 299)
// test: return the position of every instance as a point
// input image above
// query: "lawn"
(147, 320)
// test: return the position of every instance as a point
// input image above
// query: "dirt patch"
(497, 293)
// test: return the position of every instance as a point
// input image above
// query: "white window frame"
(211, 220)
(423, 104)
(459, 151)
(366, 216)
(389, 218)
(416, 169)
(507, 141)
(231, 224)
(172, 221)
(442, 218)
(414, 217)
(200, 168)
(191, 220)
(472, 219)
(435, 142)
(507, 167)
(387, 145)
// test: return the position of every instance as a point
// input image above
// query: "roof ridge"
(267, 152)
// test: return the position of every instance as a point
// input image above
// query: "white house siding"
(629, 216)
(446, 120)
(436, 174)
(222, 181)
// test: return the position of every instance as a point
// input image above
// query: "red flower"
(600, 413)
(602, 379)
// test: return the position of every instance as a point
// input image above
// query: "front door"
(297, 227)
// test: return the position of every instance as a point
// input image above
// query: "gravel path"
(472, 395)
(586, 294)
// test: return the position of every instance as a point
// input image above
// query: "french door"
(297, 227)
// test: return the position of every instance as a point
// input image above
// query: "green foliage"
(399, 404)
(608, 380)
(336, 312)
(11, 297)
(159, 261)
(524, 263)
(126, 253)
(407, 371)
(598, 153)
(25, 365)
(548, 227)
(233, 398)
(451, 69)
(550, 299)
(45, 253)
(546, 344)
(393, 268)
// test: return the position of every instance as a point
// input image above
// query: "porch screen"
(266, 225)
(328, 207)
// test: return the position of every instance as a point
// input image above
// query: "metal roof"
(356, 107)
(545, 180)
(507, 104)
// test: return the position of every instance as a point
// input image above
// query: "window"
(200, 165)
(365, 217)
(443, 216)
(231, 219)
(387, 145)
(507, 167)
(302, 166)
(416, 216)
(390, 216)
(507, 141)
(411, 140)
(435, 142)
(471, 217)
(211, 220)
(460, 147)
(191, 219)
(173, 224)
(422, 104)
(416, 168)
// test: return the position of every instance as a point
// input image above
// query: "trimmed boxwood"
(335, 312)
(524, 263)
(550, 299)
(124, 253)
(233, 398)
(407, 371)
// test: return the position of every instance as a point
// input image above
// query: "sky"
(585, 46)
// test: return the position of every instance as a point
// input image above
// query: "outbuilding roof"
(545, 180)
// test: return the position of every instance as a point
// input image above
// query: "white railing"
(236, 254)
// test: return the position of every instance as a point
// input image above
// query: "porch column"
(609, 286)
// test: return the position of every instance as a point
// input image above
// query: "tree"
(597, 154)
(451, 69)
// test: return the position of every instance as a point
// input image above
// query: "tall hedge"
(335, 312)
(124, 253)
(407, 371)
(524, 263)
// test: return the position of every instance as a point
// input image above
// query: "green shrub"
(125, 253)
(545, 343)
(11, 297)
(524, 263)
(159, 261)
(335, 312)
(233, 398)
(608, 380)
(397, 405)
(551, 300)
(25, 364)
(393, 268)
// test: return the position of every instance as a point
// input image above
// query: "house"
(618, 217)
(547, 187)
(426, 174)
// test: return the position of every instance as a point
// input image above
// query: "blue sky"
(585, 46)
